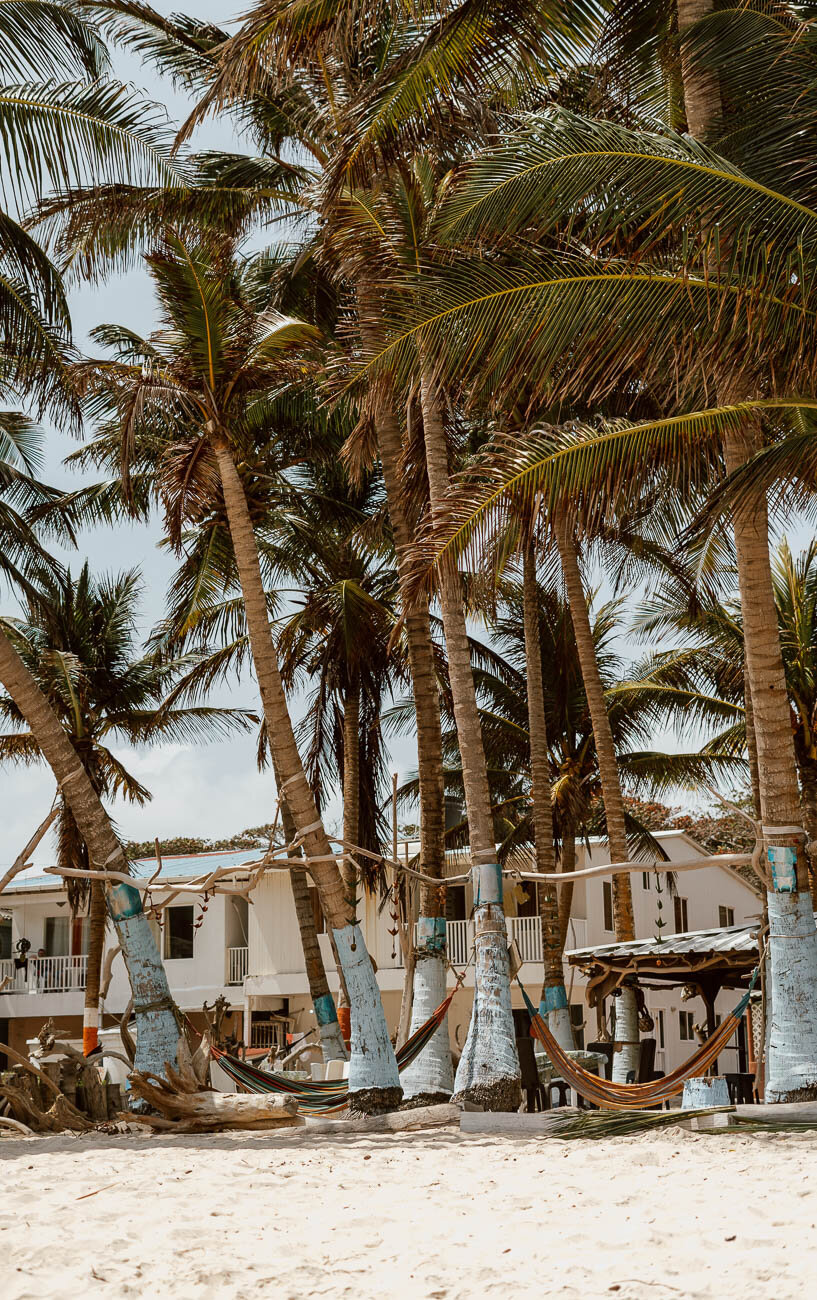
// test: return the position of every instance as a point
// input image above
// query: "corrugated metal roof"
(699, 943)
(173, 868)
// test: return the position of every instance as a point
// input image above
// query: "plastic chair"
(535, 1095)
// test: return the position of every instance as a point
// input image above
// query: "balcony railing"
(45, 975)
(237, 965)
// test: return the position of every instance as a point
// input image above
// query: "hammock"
(625, 1096)
(317, 1097)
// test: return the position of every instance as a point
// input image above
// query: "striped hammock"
(316, 1097)
(635, 1096)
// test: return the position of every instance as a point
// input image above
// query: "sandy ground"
(432, 1214)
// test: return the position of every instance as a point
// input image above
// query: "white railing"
(237, 965)
(460, 941)
(46, 975)
(526, 931)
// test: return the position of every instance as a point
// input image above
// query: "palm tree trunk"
(488, 1072)
(351, 794)
(567, 863)
(791, 1071)
(374, 1082)
(431, 1075)
(553, 1005)
(625, 1057)
(93, 978)
(326, 1016)
(808, 801)
(157, 1016)
(751, 743)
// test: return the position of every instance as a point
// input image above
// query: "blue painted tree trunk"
(488, 1073)
(157, 1017)
(791, 1060)
(431, 1077)
(374, 1080)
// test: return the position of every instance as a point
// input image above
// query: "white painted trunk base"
(371, 1063)
(791, 1063)
(432, 1073)
(558, 1023)
(489, 1058)
(626, 1032)
(333, 1047)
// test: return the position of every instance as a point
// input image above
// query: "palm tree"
(203, 384)
(24, 563)
(77, 641)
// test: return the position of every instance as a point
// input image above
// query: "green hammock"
(316, 1097)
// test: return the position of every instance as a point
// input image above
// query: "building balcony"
(45, 975)
(237, 965)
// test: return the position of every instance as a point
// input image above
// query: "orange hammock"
(625, 1096)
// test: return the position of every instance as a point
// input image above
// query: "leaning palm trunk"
(430, 1077)
(93, 978)
(791, 1064)
(488, 1072)
(553, 1006)
(351, 795)
(326, 1016)
(625, 1057)
(374, 1082)
(157, 1017)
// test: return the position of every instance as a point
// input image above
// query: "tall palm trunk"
(332, 1044)
(791, 1067)
(553, 1006)
(567, 863)
(431, 1075)
(488, 1072)
(93, 976)
(625, 1057)
(351, 793)
(157, 1017)
(374, 1082)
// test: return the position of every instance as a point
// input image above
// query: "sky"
(208, 790)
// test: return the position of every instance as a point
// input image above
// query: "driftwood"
(29, 1110)
(16, 1126)
(398, 1121)
(22, 860)
(185, 1108)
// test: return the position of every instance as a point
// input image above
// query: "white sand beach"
(425, 1214)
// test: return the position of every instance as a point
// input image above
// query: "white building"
(249, 952)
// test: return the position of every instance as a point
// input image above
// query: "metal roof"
(180, 867)
(733, 939)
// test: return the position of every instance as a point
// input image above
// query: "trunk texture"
(751, 744)
(351, 794)
(488, 1072)
(157, 1016)
(808, 800)
(332, 1044)
(791, 1069)
(553, 1004)
(374, 1082)
(96, 944)
(625, 1058)
(432, 1075)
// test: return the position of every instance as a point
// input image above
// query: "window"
(455, 903)
(681, 917)
(178, 932)
(687, 1026)
(527, 899)
(577, 1023)
(56, 936)
(5, 940)
(80, 935)
(645, 880)
(607, 892)
(726, 916)
(659, 1021)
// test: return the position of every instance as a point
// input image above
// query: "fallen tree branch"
(22, 860)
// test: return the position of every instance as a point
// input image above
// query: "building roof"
(174, 867)
(724, 956)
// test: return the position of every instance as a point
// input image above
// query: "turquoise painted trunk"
(157, 1018)
(791, 1064)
